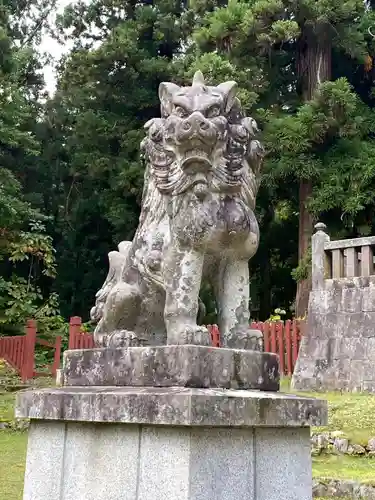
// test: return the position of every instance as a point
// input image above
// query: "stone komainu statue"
(197, 222)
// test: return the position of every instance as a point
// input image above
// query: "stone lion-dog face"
(197, 222)
(202, 141)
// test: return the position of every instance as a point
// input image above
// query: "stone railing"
(341, 258)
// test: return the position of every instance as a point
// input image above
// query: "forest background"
(70, 171)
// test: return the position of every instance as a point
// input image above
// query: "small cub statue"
(197, 223)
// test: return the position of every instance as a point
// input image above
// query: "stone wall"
(338, 349)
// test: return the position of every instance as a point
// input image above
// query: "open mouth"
(195, 159)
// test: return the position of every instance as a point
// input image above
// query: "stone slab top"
(350, 243)
(172, 366)
(174, 406)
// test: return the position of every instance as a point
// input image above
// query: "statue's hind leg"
(120, 313)
(232, 292)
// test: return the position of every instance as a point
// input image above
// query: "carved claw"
(195, 335)
(249, 340)
(124, 338)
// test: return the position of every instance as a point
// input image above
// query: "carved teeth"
(191, 153)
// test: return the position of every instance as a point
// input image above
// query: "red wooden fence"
(77, 338)
(19, 352)
(282, 338)
(279, 337)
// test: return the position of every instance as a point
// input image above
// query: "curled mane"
(153, 202)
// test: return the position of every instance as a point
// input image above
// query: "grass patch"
(12, 452)
(12, 464)
(352, 413)
(361, 469)
(10, 381)
(7, 400)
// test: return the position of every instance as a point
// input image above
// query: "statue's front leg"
(183, 275)
(233, 296)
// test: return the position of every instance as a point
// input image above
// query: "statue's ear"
(229, 90)
(148, 124)
(166, 92)
(250, 125)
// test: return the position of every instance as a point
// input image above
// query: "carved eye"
(213, 112)
(180, 111)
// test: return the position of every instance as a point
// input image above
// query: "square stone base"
(171, 406)
(172, 366)
(171, 443)
(87, 461)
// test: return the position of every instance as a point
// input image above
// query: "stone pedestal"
(180, 442)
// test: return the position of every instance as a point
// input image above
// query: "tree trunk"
(313, 68)
(305, 230)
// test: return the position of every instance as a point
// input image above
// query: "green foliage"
(71, 177)
(277, 315)
(298, 143)
(21, 298)
(303, 270)
(27, 256)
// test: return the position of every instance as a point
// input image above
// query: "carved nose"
(196, 122)
(203, 125)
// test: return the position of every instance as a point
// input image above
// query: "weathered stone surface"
(368, 303)
(89, 461)
(44, 461)
(172, 406)
(356, 449)
(166, 366)
(342, 488)
(331, 488)
(283, 465)
(319, 264)
(351, 300)
(59, 378)
(371, 444)
(341, 445)
(350, 243)
(336, 442)
(337, 351)
(365, 491)
(197, 220)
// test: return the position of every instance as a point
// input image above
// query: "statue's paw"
(123, 338)
(195, 335)
(250, 340)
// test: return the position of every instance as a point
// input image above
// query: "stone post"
(169, 423)
(319, 259)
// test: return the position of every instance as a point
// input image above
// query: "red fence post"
(280, 345)
(216, 336)
(27, 371)
(288, 348)
(273, 337)
(57, 357)
(265, 328)
(75, 325)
